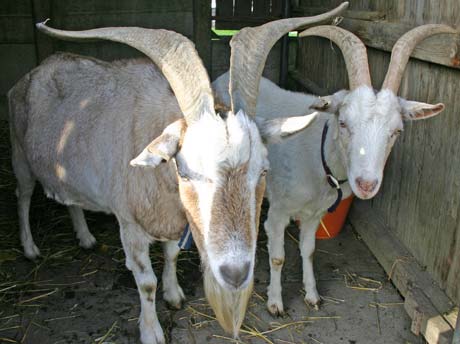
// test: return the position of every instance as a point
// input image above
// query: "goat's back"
(80, 121)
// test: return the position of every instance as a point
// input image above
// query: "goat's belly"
(75, 187)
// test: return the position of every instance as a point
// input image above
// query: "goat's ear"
(163, 148)
(273, 130)
(330, 103)
(412, 110)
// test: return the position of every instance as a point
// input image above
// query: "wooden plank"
(400, 265)
(240, 21)
(16, 60)
(13, 7)
(351, 14)
(224, 9)
(202, 30)
(242, 8)
(41, 10)
(309, 85)
(261, 8)
(441, 49)
(277, 8)
(16, 28)
(124, 7)
(425, 318)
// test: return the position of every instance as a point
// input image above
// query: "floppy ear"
(412, 110)
(330, 103)
(163, 148)
(273, 130)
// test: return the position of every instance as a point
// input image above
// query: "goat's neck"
(334, 154)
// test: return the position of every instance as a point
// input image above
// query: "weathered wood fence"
(417, 212)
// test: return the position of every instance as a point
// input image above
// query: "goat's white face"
(221, 168)
(221, 164)
(368, 125)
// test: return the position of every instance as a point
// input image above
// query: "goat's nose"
(235, 275)
(366, 185)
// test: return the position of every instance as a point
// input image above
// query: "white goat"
(357, 141)
(77, 122)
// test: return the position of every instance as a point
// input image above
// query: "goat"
(76, 123)
(359, 133)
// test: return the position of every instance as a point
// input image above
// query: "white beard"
(228, 306)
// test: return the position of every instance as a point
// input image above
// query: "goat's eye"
(342, 124)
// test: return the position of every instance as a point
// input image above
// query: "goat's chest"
(155, 204)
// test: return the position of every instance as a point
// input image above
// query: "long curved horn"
(173, 53)
(403, 49)
(353, 51)
(250, 48)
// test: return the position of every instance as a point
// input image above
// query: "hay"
(107, 334)
(356, 282)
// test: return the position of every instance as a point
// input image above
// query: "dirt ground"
(71, 295)
(76, 296)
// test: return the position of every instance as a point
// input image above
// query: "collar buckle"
(333, 181)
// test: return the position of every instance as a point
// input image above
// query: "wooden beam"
(426, 319)
(202, 30)
(441, 49)
(362, 15)
(309, 85)
(415, 284)
(380, 34)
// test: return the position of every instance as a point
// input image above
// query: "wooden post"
(202, 30)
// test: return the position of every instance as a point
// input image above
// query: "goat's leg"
(307, 238)
(172, 292)
(275, 226)
(24, 191)
(80, 227)
(136, 247)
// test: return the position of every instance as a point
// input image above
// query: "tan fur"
(229, 307)
(260, 191)
(231, 208)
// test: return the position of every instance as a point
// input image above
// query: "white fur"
(76, 125)
(296, 183)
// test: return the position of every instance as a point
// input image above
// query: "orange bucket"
(332, 223)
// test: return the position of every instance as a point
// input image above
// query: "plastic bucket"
(332, 223)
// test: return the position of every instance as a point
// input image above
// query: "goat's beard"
(228, 306)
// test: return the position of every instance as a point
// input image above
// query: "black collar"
(333, 182)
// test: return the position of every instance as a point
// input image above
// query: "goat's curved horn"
(403, 49)
(173, 53)
(250, 48)
(353, 50)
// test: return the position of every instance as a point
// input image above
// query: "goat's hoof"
(153, 335)
(88, 242)
(153, 339)
(313, 300)
(275, 308)
(174, 297)
(31, 252)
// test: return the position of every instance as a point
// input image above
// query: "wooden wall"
(420, 197)
(22, 48)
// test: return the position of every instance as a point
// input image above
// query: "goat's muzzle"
(366, 187)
